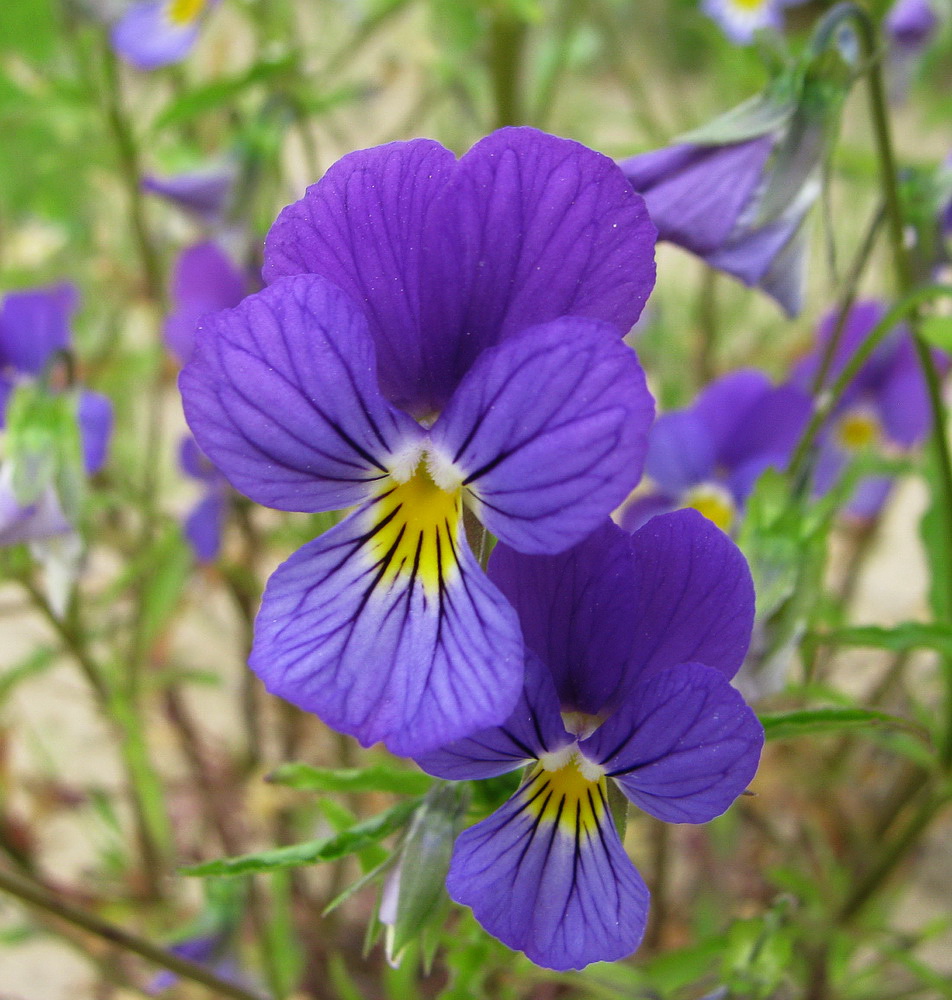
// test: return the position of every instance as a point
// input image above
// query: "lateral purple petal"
(565, 895)
(282, 396)
(549, 431)
(204, 281)
(575, 612)
(534, 728)
(359, 638)
(34, 324)
(693, 597)
(533, 227)
(364, 227)
(95, 429)
(683, 746)
(148, 38)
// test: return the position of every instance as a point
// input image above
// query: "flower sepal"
(413, 902)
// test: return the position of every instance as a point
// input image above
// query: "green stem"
(828, 401)
(905, 281)
(507, 36)
(37, 896)
(128, 154)
(847, 298)
(892, 853)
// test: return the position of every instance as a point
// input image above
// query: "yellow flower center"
(415, 530)
(714, 502)
(181, 12)
(750, 5)
(858, 429)
(566, 789)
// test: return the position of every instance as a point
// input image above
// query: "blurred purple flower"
(631, 644)
(34, 326)
(886, 404)
(909, 28)
(204, 281)
(709, 455)
(742, 19)
(154, 33)
(720, 201)
(210, 950)
(205, 523)
(206, 194)
(737, 191)
(435, 333)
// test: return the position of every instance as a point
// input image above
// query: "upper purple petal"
(696, 194)
(364, 226)
(682, 746)
(575, 612)
(34, 325)
(693, 597)
(549, 431)
(204, 281)
(533, 227)
(533, 728)
(450, 258)
(282, 396)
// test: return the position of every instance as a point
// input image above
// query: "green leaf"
(326, 849)
(378, 778)
(35, 663)
(220, 93)
(898, 639)
(806, 721)
(171, 565)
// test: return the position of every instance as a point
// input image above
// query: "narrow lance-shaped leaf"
(326, 849)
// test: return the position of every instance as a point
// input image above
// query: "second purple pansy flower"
(437, 335)
(631, 645)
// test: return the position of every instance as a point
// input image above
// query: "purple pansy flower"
(886, 404)
(709, 455)
(437, 334)
(154, 33)
(631, 644)
(742, 19)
